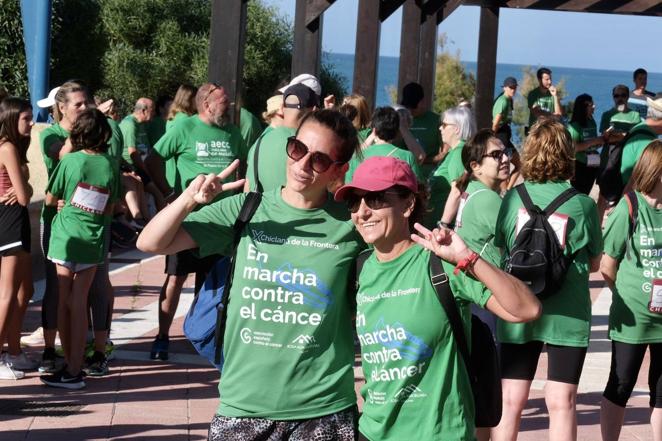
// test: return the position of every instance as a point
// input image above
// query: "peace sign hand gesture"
(445, 243)
(204, 188)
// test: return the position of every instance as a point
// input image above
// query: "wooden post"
(307, 52)
(410, 39)
(487, 59)
(366, 59)
(428, 58)
(226, 49)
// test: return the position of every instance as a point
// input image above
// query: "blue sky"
(598, 41)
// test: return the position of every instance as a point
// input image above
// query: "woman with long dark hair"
(584, 133)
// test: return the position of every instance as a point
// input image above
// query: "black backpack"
(537, 258)
(610, 179)
(482, 362)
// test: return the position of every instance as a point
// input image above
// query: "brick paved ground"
(145, 400)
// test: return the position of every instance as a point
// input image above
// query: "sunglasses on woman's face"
(496, 154)
(320, 162)
(375, 200)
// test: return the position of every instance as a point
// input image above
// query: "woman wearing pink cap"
(416, 386)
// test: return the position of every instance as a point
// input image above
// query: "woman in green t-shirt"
(457, 126)
(547, 164)
(584, 133)
(632, 266)
(416, 386)
(87, 180)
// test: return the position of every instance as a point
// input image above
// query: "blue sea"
(597, 83)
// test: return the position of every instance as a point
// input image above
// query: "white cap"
(49, 101)
(307, 80)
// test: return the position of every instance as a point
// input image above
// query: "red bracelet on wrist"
(466, 263)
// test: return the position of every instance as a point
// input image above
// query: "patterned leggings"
(340, 426)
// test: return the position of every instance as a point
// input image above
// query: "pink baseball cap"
(379, 173)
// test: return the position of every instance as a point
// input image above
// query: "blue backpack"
(204, 325)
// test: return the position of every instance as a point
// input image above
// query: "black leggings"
(520, 361)
(626, 359)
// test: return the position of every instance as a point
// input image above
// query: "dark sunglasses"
(375, 200)
(496, 154)
(320, 162)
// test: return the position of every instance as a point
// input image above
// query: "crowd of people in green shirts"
(402, 184)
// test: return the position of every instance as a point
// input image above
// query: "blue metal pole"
(36, 15)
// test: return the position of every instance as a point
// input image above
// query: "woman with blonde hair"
(361, 121)
(547, 165)
(632, 235)
(183, 104)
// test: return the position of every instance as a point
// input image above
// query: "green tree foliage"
(452, 82)
(13, 67)
(526, 84)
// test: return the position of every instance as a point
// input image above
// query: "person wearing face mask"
(201, 144)
(288, 349)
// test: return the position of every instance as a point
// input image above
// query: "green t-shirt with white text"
(543, 100)
(171, 165)
(566, 316)
(449, 170)
(87, 183)
(272, 167)
(384, 150)
(199, 148)
(634, 147)
(134, 135)
(51, 140)
(639, 273)
(580, 134)
(416, 383)
(288, 346)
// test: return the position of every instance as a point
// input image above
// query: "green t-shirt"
(639, 271)
(250, 128)
(363, 134)
(416, 383)
(450, 169)
(288, 345)
(135, 135)
(566, 315)
(503, 106)
(87, 183)
(634, 147)
(155, 129)
(272, 167)
(425, 128)
(51, 140)
(622, 121)
(116, 142)
(476, 218)
(544, 100)
(580, 134)
(199, 148)
(384, 150)
(171, 165)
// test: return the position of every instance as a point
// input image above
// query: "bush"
(452, 83)
(13, 66)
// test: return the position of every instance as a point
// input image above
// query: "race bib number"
(90, 198)
(593, 160)
(460, 209)
(558, 221)
(655, 304)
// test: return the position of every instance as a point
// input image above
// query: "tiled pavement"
(145, 400)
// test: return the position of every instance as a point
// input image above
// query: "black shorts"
(187, 262)
(14, 229)
(520, 361)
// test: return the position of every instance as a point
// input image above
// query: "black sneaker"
(160, 348)
(50, 362)
(64, 380)
(96, 365)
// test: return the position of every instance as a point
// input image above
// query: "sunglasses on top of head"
(320, 162)
(375, 200)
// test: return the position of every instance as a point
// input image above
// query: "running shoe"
(8, 372)
(110, 348)
(64, 380)
(160, 348)
(97, 365)
(21, 362)
(51, 362)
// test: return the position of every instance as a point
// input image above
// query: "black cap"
(307, 97)
(510, 82)
(412, 94)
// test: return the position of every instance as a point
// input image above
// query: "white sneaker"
(21, 362)
(7, 372)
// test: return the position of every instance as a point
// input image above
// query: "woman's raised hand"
(443, 242)
(204, 188)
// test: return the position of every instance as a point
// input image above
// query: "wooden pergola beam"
(636, 7)
(366, 58)
(307, 51)
(227, 40)
(410, 40)
(448, 8)
(316, 8)
(487, 58)
(388, 7)
(428, 58)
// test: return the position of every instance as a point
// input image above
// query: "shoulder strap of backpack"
(633, 215)
(560, 200)
(258, 187)
(445, 295)
(526, 199)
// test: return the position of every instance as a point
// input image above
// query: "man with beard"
(205, 143)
